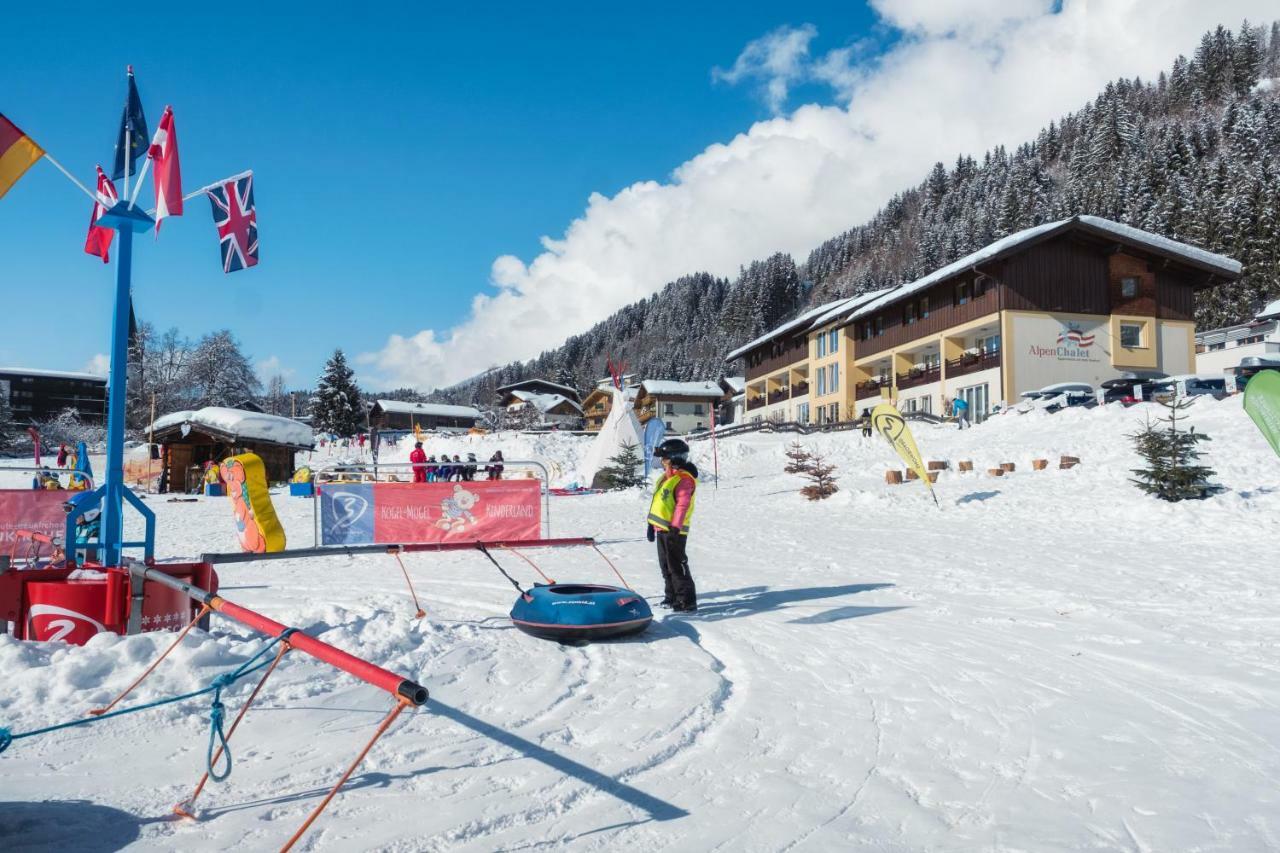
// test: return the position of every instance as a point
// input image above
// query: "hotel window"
(866, 330)
(879, 326)
(1130, 335)
(1128, 287)
(924, 307)
(1252, 339)
(908, 313)
(833, 344)
(833, 413)
(668, 408)
(835, 378)
(964, 292)
(822, 345)
(697, 408)
(932, 361)
(1216, 347)
(822, 382)
(989, 344)
(802, 413)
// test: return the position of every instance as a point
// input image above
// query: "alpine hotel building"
(1080, 300)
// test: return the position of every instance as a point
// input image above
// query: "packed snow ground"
(1050, 661)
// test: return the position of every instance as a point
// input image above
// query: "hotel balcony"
(757, 402)
(779, 395)
(919, 376)
(972, 363)
(800, 389)
(870, 388)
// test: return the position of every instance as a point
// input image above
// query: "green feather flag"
(1262, 402)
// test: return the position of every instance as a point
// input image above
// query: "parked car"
(1059, 395)
(1249, 366)
(1188, 385)
(1121, 389)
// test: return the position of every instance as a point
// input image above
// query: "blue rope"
(216, 710)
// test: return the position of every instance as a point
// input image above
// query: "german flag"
(17, 152)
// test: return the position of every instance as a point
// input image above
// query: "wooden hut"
(191, 438)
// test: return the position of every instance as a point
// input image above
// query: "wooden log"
(996, 472)
(1067, 465)
(1008, 466)
(938, 465)
(966, 465)
(893, 478)
(1068, 461)
(1039, 464)
(933, 476)
(912, 475)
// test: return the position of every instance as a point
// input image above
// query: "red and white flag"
(99, 239)
(166, 172)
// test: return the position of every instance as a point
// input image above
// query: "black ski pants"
(674, 562)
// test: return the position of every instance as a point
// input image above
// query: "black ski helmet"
(674, 449)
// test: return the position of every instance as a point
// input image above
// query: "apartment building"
(1079, 300)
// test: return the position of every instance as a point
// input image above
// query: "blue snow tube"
(570, 612)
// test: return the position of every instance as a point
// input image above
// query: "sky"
(441, 189)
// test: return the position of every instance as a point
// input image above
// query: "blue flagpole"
(113, 495)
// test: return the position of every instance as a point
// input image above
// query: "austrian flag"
(237, 221)
(167, 174)
(99, 239)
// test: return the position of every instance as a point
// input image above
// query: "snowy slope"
(1050, 661)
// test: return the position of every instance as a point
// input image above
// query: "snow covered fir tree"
(1193, 155)
(336, 407)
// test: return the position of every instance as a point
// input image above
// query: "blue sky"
(396, 155)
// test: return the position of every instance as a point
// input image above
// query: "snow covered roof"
(1199, 258)
(571, 393)
(840, 312)
(545, 402)
(795, 325)
(695, 390)
(442, 410)
(1271, 312)
(52, 374)
(239, 424)
(734, 384)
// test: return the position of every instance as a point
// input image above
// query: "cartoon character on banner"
(456, 510)
(256, 522)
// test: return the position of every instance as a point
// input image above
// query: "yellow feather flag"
(890, 423)
(17, 154)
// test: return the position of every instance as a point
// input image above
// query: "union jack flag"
(237, 220)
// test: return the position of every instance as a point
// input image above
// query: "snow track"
(1051, 661)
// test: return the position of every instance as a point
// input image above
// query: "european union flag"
(135, 122)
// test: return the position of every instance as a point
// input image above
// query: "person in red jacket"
(670, 516)
(419, 459)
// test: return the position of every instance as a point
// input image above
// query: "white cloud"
(955, 83)
(99, 364)
(777, 59)
(271, 366)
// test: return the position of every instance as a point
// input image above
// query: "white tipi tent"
(620, 428)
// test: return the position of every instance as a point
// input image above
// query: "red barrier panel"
(37, 510)
(396, 513)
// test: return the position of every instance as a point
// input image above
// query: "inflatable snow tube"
(571, 612)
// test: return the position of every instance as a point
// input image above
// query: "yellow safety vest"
(663, 506)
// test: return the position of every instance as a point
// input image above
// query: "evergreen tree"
(814, 467)
(797, 459)
(336, 407)
(1171, 455)
(624, 471)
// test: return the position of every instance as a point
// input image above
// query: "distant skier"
(670, 513)
(419, 459)
(961, 409)
(865, 418)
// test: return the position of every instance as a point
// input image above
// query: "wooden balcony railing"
(972, 363)
(919, 376)
(870, 388)
(779, 395)
(755, 402)
(800, 389)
